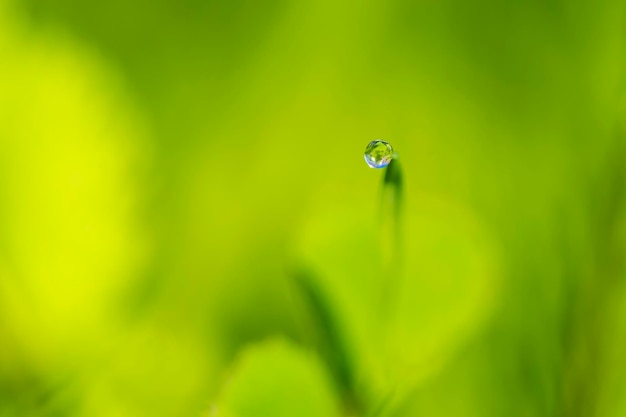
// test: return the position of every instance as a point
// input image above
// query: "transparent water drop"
(378, 154)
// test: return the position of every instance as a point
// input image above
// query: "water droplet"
(378, 154)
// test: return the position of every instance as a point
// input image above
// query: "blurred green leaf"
(277, 379)
(443, 297)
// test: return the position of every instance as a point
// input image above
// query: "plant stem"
(391, 235)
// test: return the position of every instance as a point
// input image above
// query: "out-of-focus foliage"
(188, 228)
(278, 380)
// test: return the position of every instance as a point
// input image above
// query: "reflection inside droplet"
(378, 154)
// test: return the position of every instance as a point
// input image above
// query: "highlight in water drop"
(378, 154)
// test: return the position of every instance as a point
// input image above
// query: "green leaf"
(277, 379)
(440, 296)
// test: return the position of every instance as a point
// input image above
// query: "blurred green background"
(188, 228)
